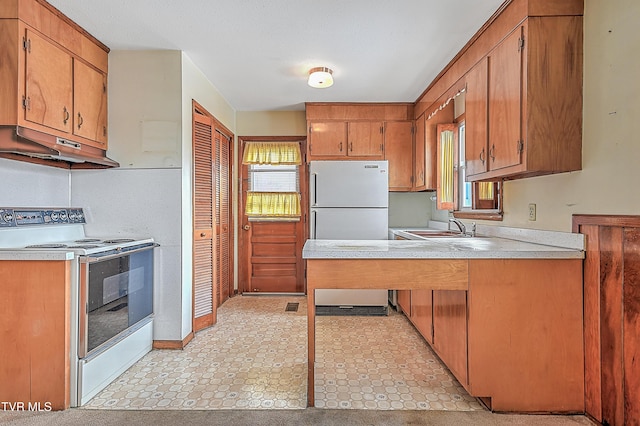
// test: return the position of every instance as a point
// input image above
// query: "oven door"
(116, 292)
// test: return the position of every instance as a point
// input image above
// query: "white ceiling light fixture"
(320, 77)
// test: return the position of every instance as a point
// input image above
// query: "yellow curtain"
(273, 204)
(285, 153)
(446, 165)
(485, 190)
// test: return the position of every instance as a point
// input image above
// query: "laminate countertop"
(480, 247)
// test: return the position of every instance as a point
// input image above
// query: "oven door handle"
(94, 258)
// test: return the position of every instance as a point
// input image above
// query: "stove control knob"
(7, 217)
(63, 215)
(55, 216)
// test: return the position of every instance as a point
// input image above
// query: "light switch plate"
(532, 211)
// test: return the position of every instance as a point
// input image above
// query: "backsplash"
(33, 185)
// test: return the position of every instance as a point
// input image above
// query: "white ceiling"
(257, 52)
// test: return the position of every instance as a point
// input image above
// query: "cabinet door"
(328, 138)
(476, 150)
(505, 102)
(450, 330)
(89, 103)
(365, 139)
(49, 85)
(398, 140)
(404, 301)
(419, 151)
(422, 312)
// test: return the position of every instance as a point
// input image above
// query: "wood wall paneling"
(611, 324)
(592, 356)
(631, 325)
(612, 320)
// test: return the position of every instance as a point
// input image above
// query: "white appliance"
(349, 200)
(111, 306)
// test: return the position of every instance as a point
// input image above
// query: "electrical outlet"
(532, 211)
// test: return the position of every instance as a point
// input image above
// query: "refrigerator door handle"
(314, 200)
(312, 228)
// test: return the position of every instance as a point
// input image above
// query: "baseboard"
(367, 311)
(173, 344)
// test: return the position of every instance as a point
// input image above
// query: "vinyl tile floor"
(255, 357)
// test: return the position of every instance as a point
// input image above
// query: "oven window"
(120, 294)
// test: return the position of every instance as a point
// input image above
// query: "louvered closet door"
(223, 215)
(204, 283)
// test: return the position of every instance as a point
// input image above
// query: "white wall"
(33, 185)
(145, 116)
(195, 86)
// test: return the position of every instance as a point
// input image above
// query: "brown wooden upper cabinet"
(524, 102)
(54, 75)
(48, 98)
(357, 131)
(89, 103)
(398, 141)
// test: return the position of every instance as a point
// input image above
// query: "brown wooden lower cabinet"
(514, 338)
(422, 312)
(35, 338)
(404, 302)
(450, 330)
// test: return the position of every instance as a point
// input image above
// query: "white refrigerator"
(349, 200)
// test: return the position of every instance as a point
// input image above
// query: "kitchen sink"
(435, 233)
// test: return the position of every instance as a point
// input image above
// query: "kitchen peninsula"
(506, 315)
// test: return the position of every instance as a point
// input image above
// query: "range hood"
(20, 141)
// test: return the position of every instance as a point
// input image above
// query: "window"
(472, 200)
(273, 187)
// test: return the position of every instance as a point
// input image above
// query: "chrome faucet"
(459, 224)
(463, 229)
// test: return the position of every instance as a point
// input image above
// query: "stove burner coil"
(85, 246)
(88, 240)
(118, 241)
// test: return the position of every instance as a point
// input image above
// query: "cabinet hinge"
(310, 129)
(26, 44)
(381, 147)
(520, 146)
(104, 88)
(381, 129)
(520, 44)
(25, 102)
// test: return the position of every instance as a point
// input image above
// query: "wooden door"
(89, 103)
(270, 252)
(204, 247)
(476, 150)
(49, 84)
(365, 139)
(398, 140)
(328, 138)
(505, 102)
(223, 140)
(419, 155)
(611, 317)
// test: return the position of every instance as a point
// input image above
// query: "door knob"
(246, 227)
(203, 234)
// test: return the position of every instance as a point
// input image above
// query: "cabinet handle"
(104, 130)
(351, 146)
(482, 156)
(203, 234)
(492, 152)
(340, 146)
(66, 115)
(80, 120)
